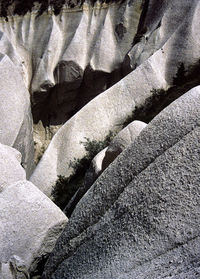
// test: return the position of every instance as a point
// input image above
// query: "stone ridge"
(21, 7)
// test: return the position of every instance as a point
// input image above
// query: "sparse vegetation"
(183, 81)
(140, 112)
(180, 75)
(66, 187)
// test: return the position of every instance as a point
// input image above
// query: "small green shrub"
(145, 111)
(66, 187)
(179, 79)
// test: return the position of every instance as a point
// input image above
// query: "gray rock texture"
(30, 224)
(93, 172)
(115, 38)
(158, 76)
(122, 140)
(87, 70)
(79, 45)
(15, 112)
(10, 169)
(141, 217)
(104, 158)
(15, 268)
(159, 22)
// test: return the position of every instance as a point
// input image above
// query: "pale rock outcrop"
(59, 70)
(122, 140)
(15, 268)
(153, 77)
(159, 22)
(78, 46)
(141, 217)
(104, 158)
(93, 172)
(10, 169)
(95, 168)
(30, 224)
(15, 112)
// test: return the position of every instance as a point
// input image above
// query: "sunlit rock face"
(170, 72)
(87, 70)
(29, 222)
(68, 55)
(71, 51)
(70, 58)
(15, 110)
(140, 219)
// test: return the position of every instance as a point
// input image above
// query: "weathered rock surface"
(122, 140)
(60, 68)
(30, 224)
(93, 172)
(156, 79)
(159, 22)
(142, 215)
(104, 158)
(82, 44)
(10, 169)
(15, 112)
(15, 268)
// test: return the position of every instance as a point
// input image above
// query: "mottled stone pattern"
(105, 97)
(160, 59)
(143, 209)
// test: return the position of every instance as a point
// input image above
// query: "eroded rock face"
(15, 112)
(30, 224)
(145, 91)
(79, 56)
(27, 232)
(122, 140)
(104, 158)
(15, 268)
(88, 47)
(143, 211)
(10, 169)
(78, 46)
(159, 21)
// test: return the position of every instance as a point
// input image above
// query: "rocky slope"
(74, 74)
(158, 77)
(62, 54)
(142, 209)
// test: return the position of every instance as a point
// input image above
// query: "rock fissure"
(87, 68)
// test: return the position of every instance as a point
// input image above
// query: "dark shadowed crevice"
(66, 187)
(141, 29)
(57, 104)
(183, 81)
(21, 7)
